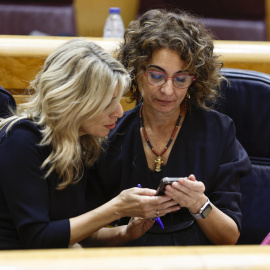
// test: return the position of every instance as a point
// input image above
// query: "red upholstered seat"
(228, 19)
(55, 18)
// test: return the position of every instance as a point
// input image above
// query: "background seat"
(6, 101)
(247, 102)
(55, 18)
(228, 19)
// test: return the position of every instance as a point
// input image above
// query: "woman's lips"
(164, 101)
(110, 126)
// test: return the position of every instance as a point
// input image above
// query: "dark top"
(33, 214)
(205, 146)
(7, 102)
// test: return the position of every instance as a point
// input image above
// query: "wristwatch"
(204, 211)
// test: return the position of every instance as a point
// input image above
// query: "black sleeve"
(26, 191)
(96, 194)
(234, 163)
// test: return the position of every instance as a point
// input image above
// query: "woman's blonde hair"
(76, 84)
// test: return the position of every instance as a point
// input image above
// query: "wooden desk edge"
(214, 257)
(21, 57)
(124, 101)
(31, 46)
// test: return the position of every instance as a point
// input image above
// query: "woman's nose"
(168, 88)
(118, 111)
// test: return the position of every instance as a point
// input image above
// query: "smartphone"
(164, 182)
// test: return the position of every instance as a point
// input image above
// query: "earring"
(136, 96)
(186, 98)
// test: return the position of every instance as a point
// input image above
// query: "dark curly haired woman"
(172, 132)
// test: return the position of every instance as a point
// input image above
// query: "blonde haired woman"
(46, 145)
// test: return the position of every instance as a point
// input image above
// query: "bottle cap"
(114, 10)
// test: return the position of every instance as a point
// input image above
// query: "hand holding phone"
(158, 220)
(164, 182)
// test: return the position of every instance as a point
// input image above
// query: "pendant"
(158, 161)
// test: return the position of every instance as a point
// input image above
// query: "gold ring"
(157, 213)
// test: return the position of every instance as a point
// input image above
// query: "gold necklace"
(159, 160)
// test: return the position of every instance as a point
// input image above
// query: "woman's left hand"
(188, 193)
(218, 227)
(137, 227)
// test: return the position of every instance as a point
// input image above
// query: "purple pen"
(158, 220)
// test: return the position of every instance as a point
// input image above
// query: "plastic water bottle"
(114, 26)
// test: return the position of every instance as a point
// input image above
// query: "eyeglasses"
(156, 78)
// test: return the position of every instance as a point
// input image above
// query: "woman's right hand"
(142, 202)
(133, 202)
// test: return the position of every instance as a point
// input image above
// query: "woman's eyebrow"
(113, 99)
(163, 70)
(157, 67)
(111, 102)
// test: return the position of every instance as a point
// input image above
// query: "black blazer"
(206, 146)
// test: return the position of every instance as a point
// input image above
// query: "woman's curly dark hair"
(178, 31)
